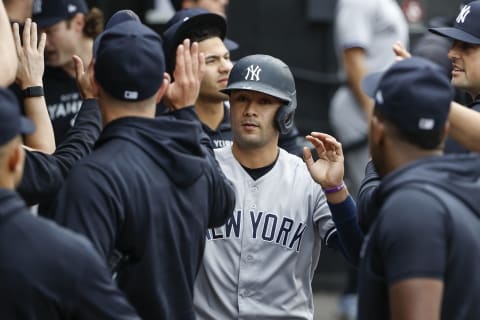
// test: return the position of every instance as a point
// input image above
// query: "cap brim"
(182, 29)
(257, 87)
(26, 126)
(370, 83)
(456, 34)
(46, 22)
(230, 44)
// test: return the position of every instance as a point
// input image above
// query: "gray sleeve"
(354, 24)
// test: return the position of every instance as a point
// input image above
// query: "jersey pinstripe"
(260, 264)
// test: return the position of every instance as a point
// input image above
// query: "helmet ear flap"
(284, 118)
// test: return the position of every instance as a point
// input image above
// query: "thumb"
(79, 70)
(307, 157)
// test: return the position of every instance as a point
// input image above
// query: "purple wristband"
(334, 189)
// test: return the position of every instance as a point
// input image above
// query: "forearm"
(465, 126)
(356, 69)
(7, 50)
(348, 230)
(43, 139)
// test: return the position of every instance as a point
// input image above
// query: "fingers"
(328, 142)
(400, 51)
(26, 33)
(16, 38)
(79, 70)
(307, 157)
(41, 44)
(33, 35)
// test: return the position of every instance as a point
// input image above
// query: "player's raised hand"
(328, 169)
(84, 78)
(400, 51)
(189, 69)
(30, 51)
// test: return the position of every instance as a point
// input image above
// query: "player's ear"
(377, 130)
(165, 83)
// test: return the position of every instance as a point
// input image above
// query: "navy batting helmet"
(269, 75)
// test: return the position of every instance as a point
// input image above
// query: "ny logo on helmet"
(463, 14)
(253, 73)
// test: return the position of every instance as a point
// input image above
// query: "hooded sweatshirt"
(427, 225)
(145, 197)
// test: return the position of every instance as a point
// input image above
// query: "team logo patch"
(130, 95)
(253, 73)
(71, 8)
(463, 14)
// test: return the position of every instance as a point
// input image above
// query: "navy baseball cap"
(182, 24)
(49, 12)
(466, 27)
(414, 94)
(129, 61)
(117, 18)
(12, 123)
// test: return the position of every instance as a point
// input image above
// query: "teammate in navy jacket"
(148, 191)
(423, 215)
(46, 272)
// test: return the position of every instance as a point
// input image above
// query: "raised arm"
(328, 171)
(29, 75)
(7, 50)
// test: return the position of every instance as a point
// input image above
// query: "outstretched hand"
(400, 51)
(30, 53)
(189, 69)
(83, 78)
(328, 170)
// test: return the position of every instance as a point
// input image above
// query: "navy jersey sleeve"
(412, 236)
(366, 205)
(348, 238)
(44, 174)
(87, 206)
(98, 297)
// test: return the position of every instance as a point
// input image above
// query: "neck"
(257, 157)
(18, 10)
(210, 113)
(84, 52)
(402, 154)
(115, 109)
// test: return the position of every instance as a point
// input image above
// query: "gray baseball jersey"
(260, 264)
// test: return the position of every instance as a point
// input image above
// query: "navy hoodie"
(415, 234)
(148, 192)
(48, 272)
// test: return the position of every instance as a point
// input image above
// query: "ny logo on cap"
(37, 7)
(253, 73)
(71, 8)
(463, 14)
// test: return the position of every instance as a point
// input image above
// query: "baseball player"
(148, 191)
(209, 29)
(47, 272)
(417, 260)
(70, 27)
(260, 264)
(464, 55)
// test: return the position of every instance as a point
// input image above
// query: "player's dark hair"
(198, 35)
(427, 140)
(94, 22)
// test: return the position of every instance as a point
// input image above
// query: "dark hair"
(94, 22)
(427, 140)
(198, 35)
